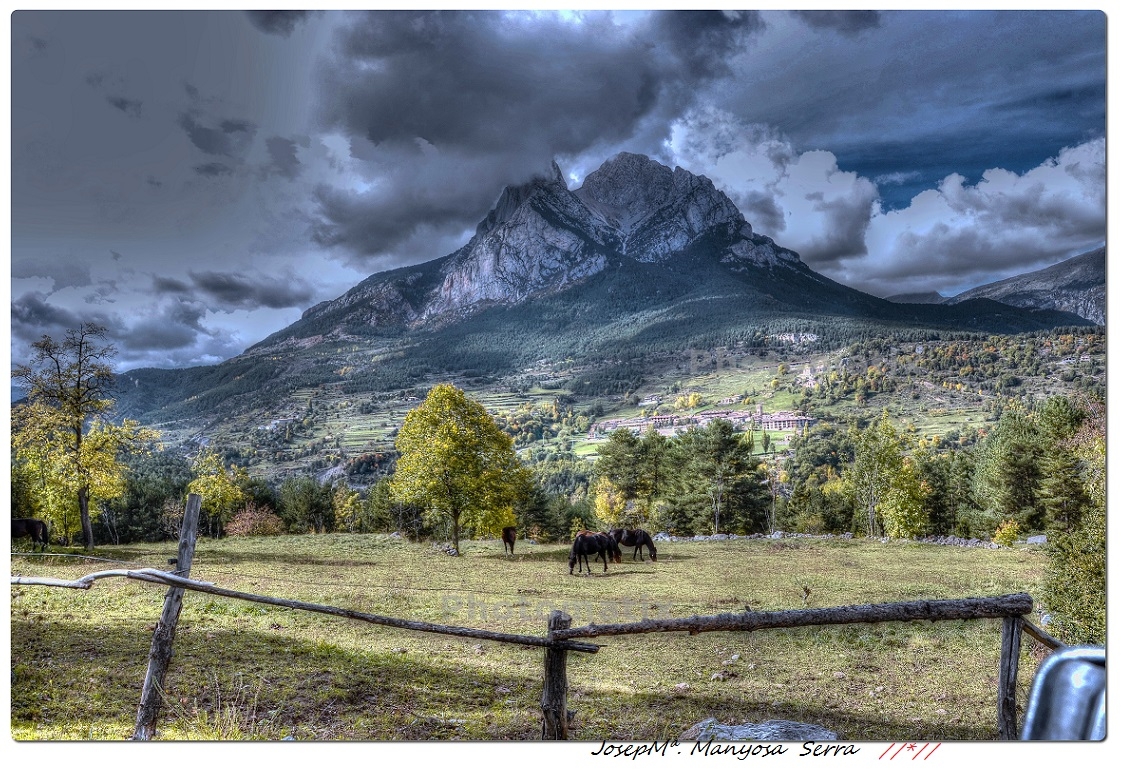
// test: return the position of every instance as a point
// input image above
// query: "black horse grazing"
(599, 543)
(32, 528)
(509, 535)
(636, 538)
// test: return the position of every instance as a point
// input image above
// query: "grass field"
(249, 671)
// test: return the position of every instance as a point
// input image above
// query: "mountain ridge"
(1076, 285)
(541, 237)
(640, 259)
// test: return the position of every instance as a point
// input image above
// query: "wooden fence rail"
(1011, 605)
(166, 578)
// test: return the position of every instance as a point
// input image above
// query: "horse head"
(613, 548)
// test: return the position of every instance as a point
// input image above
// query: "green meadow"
(248, 671)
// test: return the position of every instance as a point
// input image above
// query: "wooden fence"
(561, 638)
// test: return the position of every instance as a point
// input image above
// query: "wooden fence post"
(1009, 667)
(554, 696)
(164, 637)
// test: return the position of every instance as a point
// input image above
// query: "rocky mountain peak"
(632, 192)
(514, 196)
(541, 238)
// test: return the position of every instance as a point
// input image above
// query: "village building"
(669, 425)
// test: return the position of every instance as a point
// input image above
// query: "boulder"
(771, 730)
(1037, 540)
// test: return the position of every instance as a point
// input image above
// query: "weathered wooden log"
(938, 609)
(554, 695)
(381, 620)
(151, 698)
(1006, 688)
(1041, 636)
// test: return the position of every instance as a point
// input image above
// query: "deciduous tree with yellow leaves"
(456, 463)
(64, 452)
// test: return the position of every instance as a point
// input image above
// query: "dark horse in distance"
(509, 535)
(636, 538)
(599, 543)
(32, 528)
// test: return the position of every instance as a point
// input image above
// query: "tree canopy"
(64, 450)
(456, 463)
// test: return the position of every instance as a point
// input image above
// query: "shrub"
(255, 520)
(1007, 533)
(1074, 587)
(577, 526)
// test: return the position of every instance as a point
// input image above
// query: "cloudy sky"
(196, 180)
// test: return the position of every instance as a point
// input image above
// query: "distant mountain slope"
(918, 298)
(1076, 285)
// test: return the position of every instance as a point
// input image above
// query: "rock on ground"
(771, 730)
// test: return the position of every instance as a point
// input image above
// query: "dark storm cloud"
(230, 291)
(283, 157)
(464, 80)
(174, 326)
(33, 311)
(162, 285)
(130, 107)
(962, 253)
(846, 221)
(213, 169)
(281, 23)
(158, 335)
(385, 220)
(429, 96)
(62, 271)
(229, 138)
(763, 211)
(234, 290)
(845, 22)
(34, 316)
(704, 40)
(171, 334)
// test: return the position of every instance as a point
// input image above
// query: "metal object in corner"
(1068, 697)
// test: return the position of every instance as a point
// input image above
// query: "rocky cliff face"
(1077, 285)
(538, 238)
(541, 238)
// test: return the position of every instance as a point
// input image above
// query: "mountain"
(1076, 285)
(918, 298)
(641, 261)
(541, 238)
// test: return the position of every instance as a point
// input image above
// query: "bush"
(255, 520)
(1007, 533)
(1074, 587)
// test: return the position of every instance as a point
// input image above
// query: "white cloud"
(948, 239)
(802, 200)
(959, 236)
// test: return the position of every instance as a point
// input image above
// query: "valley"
(934, 389)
